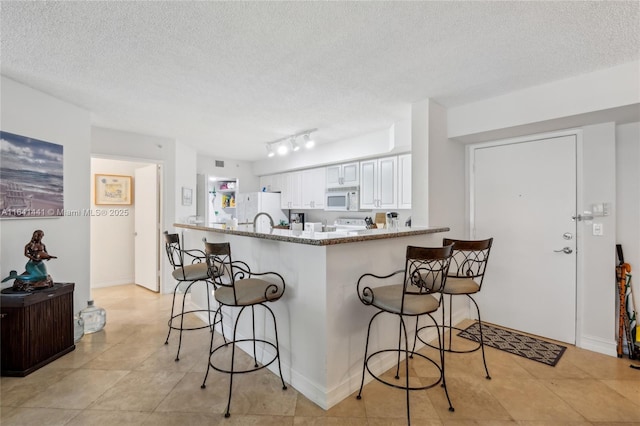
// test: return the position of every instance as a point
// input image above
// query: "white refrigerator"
(249, 204)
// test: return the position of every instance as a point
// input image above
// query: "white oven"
(342, 199)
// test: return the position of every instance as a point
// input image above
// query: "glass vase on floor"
(94, 318)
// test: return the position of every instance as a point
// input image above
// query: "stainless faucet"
(255, 219)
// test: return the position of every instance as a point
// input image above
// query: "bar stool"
(424, 276)
(188, 272)
(468, 264)
(237, 286)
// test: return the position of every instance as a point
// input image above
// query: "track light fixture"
(308, 142)
(295, 146)
(283, 145)
(282, 149)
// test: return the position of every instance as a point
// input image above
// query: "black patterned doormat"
(515, 343)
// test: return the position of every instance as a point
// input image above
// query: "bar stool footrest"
(199, 327)
(250, 370)
(395, 385)
(449, 349)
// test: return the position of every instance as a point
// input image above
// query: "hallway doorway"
(114, 260)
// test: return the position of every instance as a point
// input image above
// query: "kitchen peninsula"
(321, 322)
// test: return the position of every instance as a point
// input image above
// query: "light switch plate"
(597, 229)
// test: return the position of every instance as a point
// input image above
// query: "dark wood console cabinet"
(35, 328)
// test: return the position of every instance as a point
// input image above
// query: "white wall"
(185, 178)
(628, 198)
(537, 109)
(112, 237)
(420, 123)
(391, 140)
(447, 177)
(437, 171)
(597, 331)
(28, 112)
(242, 171)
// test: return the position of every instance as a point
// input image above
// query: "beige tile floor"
(125, 375)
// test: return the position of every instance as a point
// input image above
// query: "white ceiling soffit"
(226, 77)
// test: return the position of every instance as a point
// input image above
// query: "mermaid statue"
(35, 275)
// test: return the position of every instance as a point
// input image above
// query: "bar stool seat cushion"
(195, 272)
(249, 291)
(389, 299)
(461, 286)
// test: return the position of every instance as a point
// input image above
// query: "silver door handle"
(565, 250)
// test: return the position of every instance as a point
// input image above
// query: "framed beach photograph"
(187, 196)
(31, 177)
(113, 189)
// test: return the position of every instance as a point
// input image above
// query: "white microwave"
(342, 200)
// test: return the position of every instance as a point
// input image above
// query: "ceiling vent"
(219, 163)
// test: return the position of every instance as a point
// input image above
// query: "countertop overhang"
(315, 238)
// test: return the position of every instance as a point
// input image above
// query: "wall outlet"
(597, 229)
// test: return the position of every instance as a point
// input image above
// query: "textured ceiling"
(225, 77)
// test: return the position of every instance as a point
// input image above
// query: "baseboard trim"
(112, 283)
(597, 344)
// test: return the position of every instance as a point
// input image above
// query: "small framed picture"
(187, 196)
(113, 189)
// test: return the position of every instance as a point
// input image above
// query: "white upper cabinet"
(333, 175)
(343, 175)
(313, 188)
(291, 196)
(404, 181)
(379, 183)
(388, 182)
(385, 184)
(350, 174)
(299, 190)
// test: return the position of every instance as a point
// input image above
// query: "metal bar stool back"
(238, 286)
(189, 267)
(466, 275)
(419, 293)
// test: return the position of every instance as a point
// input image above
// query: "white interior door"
(147, 252)
(524, 196)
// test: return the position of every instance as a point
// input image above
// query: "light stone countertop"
(315, 238)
